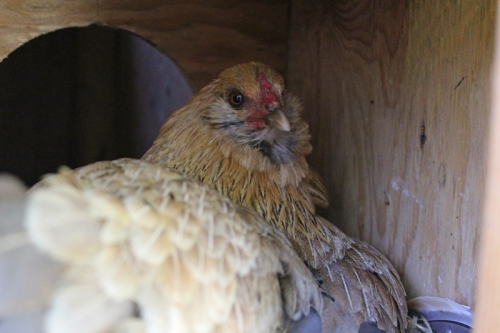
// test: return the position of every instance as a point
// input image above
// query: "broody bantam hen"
(243, 135)
(142, 248)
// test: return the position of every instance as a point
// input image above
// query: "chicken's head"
(249, 106)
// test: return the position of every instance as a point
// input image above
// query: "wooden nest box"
(397, 97)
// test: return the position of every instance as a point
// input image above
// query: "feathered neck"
(187, 139)
(283, 194)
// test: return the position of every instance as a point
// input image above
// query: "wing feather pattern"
(150, 249)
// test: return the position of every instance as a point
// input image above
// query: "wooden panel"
(397, 96)
(488, 290)
(204, 37)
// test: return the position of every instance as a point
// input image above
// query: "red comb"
(270, 97)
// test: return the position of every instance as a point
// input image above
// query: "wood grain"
(397, 95)
(203, 37)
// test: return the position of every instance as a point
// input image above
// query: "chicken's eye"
(236, 99)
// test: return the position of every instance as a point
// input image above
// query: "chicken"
(243, 135)
(146, 249)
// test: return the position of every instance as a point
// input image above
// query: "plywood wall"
(398, 98)
(203, 37)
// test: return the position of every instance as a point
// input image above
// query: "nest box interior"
(397, 96)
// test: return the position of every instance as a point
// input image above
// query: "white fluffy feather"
(136, 247)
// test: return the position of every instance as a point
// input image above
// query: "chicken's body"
(135, 234)
(243, 135)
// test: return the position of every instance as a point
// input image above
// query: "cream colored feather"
(23, 297)
(146, 249)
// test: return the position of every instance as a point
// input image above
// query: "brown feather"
(265, 169)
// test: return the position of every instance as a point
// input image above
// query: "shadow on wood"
(79, 95)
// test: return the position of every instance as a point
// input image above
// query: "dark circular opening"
(80, 95)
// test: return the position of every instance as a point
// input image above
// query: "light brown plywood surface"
(397, 95)
(203, 37)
